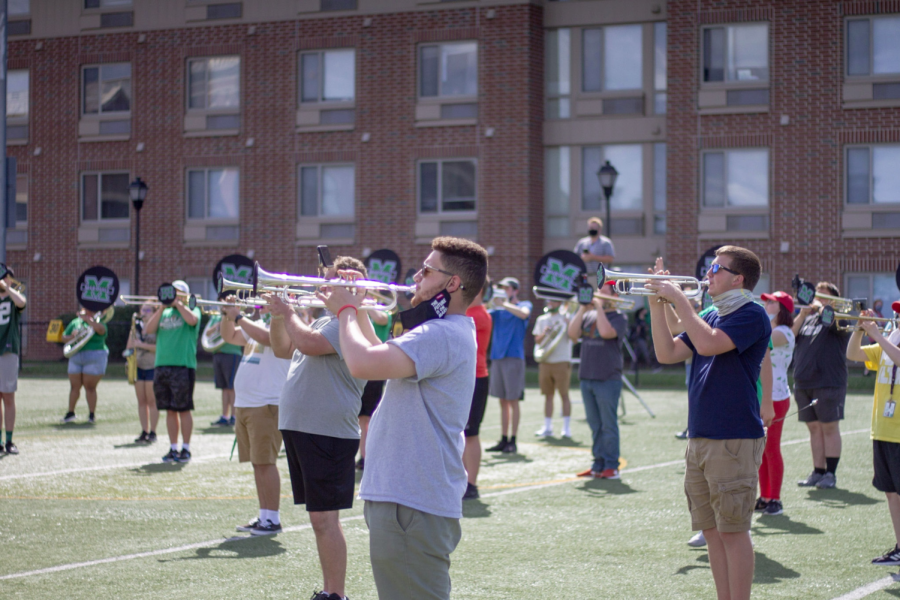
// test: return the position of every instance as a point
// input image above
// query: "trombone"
(848, 327)
(132, 300)
(568, 298)
(632, 284)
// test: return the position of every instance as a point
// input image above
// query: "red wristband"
(341, 309)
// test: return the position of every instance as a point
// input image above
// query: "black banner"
(97, 289)
(705, 262)
(384, 266)
(559, 270)
(234, 267)
(166, 294)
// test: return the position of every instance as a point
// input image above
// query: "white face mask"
(772, 317)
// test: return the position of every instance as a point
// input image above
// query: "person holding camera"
(595, 248)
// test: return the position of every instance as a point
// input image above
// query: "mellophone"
(841, 309)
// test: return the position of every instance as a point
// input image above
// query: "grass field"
(87, 514)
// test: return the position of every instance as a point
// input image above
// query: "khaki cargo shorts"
(554, 376)
(258, 438)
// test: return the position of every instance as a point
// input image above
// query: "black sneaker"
(142, 439)
(890, 558)
(171, 457)
(11, 448)
(269, 528)
(471, 492)
(361, 463)
(811, 480)
(773, 508)
(184, 456)
(92, 419)
(760, 505)
(231, 421)
(151, 437)
(510, 448)
(69, 418)
(682, 435)
(249, 526)
(498, 447)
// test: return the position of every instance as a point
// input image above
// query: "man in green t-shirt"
(226, 360)
(88, 366)
(12, 304)
(177, 329)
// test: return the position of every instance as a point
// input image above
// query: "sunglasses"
(716, 267)
(426, 268)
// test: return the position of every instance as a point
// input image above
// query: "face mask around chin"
(772, 317)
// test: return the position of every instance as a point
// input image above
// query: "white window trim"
(214, 111)
(440, 213)
(99, 221)
(732, 85)
(578, 88)
(322, 103)
(734, 210)
(319, 217)
(100, 115)
(187, 205)
(871, 77)
(440, 98)
(870, 206)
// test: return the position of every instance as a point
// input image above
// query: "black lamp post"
(138, 193)
(607, 176)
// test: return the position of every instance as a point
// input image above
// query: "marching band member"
(12, 304)
(602, 330)
(88, 366)
(177, 329)
(472, 453)
(372, 392)
(555, 367)
(226, 359)
(144, 346)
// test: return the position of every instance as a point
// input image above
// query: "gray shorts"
(89, 362)
(508, 378)
(828, 409)
(9, 372)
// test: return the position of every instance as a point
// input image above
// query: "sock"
(504, 439)
(262, 515)
(173, 447)
(152, 432)
(548, 423)
(820, 471)
(567, 423)
(274, 516)
(91, 416)
(9, 437)
(831, 464)
(186, 447)
(512, 439)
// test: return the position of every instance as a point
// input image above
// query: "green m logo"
(385, 272)
(559, 275)
(98, 290)
(238, 273)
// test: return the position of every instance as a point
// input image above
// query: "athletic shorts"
(9, 372)
(323, 470)
(258, 438)
(720, 480)
(508, 378)
(554, 376)
(225, 367)
(829, 408)
(371, 397)
(89, 362)
(174, 388)
(479, 403)
(145, 374)
(886, 456)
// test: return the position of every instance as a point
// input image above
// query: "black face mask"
(593, 232)
(436, 308)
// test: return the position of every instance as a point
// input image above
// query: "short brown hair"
(466, 259)
(347, 262)
(745, 262)
(832, 289)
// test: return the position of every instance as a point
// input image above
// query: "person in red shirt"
(472, 453)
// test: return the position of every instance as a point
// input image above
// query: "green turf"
(565, 537)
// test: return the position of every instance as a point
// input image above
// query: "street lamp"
(137, 191)
(607, 176)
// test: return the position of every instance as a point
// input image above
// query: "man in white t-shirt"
(414, 479)
(553, 353)
(257, 386)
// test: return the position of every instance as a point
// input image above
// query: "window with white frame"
(558, 73)
(736, 178)
(660, 68)
(736, 53)
(557, 191)
(104, 196)
(214, 193)
(873, 287)
(447, 186)
(628, 193)
(659, 188)
(873, 46)
(328, 76)
(214, 83)
(872, 175)
(17, 104)
(448, 70)
(106, 89)
(327, 190)
(612, 58)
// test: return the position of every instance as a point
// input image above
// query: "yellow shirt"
(883, 428)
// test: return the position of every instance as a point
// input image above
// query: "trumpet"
(568, 298)
(844, 305)
(632, 284)
(848, 326)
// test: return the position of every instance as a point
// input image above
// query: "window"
(18, 7)
(201, 286)
(107, 89)
(557, 172)
(106, 3)
(104, 197)
(214, 83)
(447, 186)
(872, 175)
(736, 53)
(558, 70)
(338, 5)
(17, 94)
(447, 70)
(21, 200)
(659, 188)
(612, 58)
(214, 194)
(873, 287)
(628, 193)
(736, 178)
(873, 46)
(327, 190)
(660, 65)
(328, 76)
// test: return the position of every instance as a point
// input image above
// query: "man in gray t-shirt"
(414, 478)
(595, 248)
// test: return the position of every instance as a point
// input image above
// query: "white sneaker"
(544, 432)
(698, 541)
(567, 434)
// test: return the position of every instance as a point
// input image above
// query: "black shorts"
(144, 374)
(828, 409)
(886, 456)
(323, 470)
(225, 367)
(479, 403)
(371, 396)
(174, 388)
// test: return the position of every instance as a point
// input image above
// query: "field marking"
(101, 468)
(866, 590)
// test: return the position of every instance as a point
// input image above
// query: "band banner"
(234, 267)
(97, 289)
(384, 266)
(559, 270)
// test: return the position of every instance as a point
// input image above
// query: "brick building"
(266, 127)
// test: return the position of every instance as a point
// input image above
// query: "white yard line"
(101, 468)
(866, 590)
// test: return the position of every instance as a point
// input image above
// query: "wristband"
(238, 318)
(341, 309)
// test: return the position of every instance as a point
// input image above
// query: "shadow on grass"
(237, 547)
(781, 524)
(83, 425)
(563, 442)
(475, 509)
(704, 564)
(770, 571)
(606, 487)
(160, 467)
(217, 430)
(892, 592)
(839, 498)
(503, 459)
(130, 445)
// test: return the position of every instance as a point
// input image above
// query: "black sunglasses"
(716, 267)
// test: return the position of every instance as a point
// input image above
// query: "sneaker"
(827, 481)
(171, 457)
(231, 421)
(221, 422)
(11, 448)
(510, 448)
(269, 528)
(760, 505)
(184, 456)
(609, 474)
(92, 419)
(498, 447)
(544, 432)
(471, 492)
(249, 526)
(69, 418)
(361, 463)
(812, 480)
(142, 439)
(567, 435)
(773, 508)
(682, 435)
(698, 541)
(588, 473)
(890, 558)
(151, 438)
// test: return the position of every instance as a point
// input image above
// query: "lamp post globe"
(607, 176)
(137, 191)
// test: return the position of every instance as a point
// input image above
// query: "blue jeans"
(601, 402)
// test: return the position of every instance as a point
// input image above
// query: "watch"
(238, 318)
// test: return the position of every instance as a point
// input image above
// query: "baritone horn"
(632, 284)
